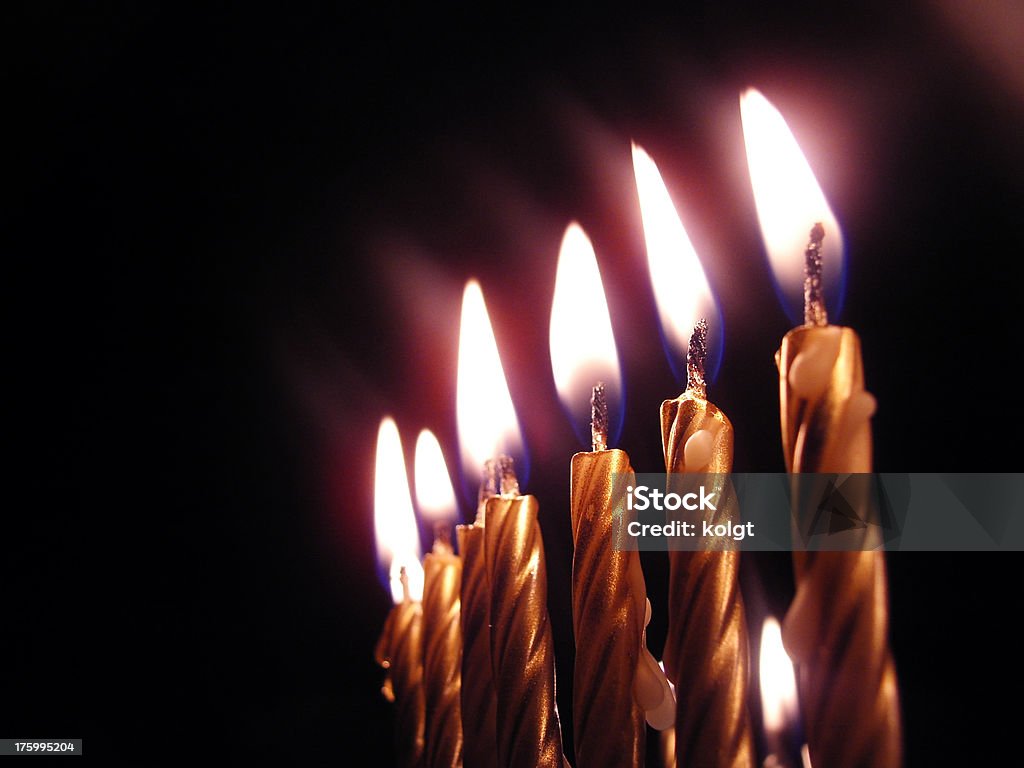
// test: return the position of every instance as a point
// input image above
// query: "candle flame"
(778, 685)
(681, 288)
(581, 341)
(398, 540)
(789, 202)
(434, 495)
(483, 406)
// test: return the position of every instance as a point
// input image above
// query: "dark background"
(236, 239)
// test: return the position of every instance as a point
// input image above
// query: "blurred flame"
(681, 289)
(483, 406)
(789, 202)
(778, 685)
(434, 495)
(580, 337)
(398, 540)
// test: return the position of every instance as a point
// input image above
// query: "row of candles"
(468, 646)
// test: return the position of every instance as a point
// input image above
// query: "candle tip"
(814, 296)
(599, 418)
(696, 359)
(508, 484)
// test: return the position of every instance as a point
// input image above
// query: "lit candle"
(837, 627)
(442, 637)
(479, 704)
(706, 653)
(400, 648)
(521, 654)
(614, 675)
(778, 700)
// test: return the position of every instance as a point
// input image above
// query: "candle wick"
(696, 359)
(443, 538)
(599, 418)
(488, 488)
(508, 483)
(404, 578)
(814, 292)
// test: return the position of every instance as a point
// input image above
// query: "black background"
(235, 239)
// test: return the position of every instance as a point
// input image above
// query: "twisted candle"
(400, 651)
(442, 656)
(522, 655)
(608, 603)
(837, 626)
(706, 654)
(478, 703)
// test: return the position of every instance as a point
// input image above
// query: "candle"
(778, 700)
(706, 654)
(442, 637)
(513, 577)
(522, 656)
(479, 704)
(706, 651)
(613, 674)
(400, 648)
(837, 626)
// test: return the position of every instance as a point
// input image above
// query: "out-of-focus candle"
(400, 648)
(837, 627)
(479, 703)
(706, 653)
(778, 700)
(442, 636)
(609, 596)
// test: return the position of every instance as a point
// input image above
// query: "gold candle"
(608, 606)
(480, 746)
(442, 654)
(706, 653)
(400, 652)
(400, 648)
(522, 656)
(837, 626)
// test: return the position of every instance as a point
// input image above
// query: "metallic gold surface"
(706, 652)
(521, 647)
(478, 705)
(608, 604)
(400, 651)
(442, 660)
(837, 627)
(667, 747)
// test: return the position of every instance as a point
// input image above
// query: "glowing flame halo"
(681, 289)
(789, 201)
(580, 337)
(394, 524)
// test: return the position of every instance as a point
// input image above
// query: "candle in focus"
(706, 653)
(400, 649)
(442, 636)
(522, 653)
(778, 700)
(608, 592)
(837, 626)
